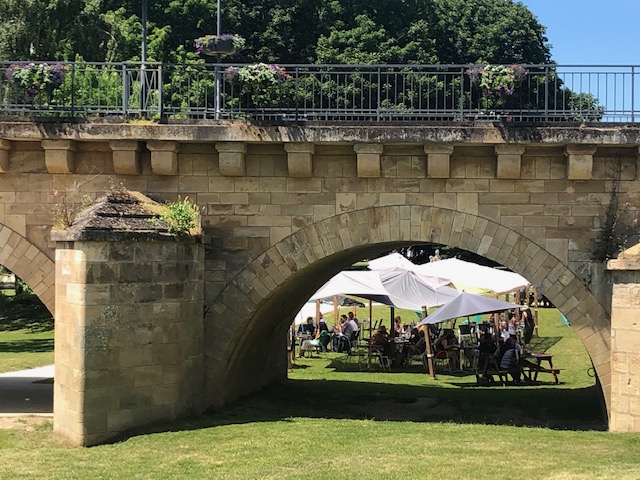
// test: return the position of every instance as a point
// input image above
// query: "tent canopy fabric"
(309, 310)
(396, 287)
(466, 304)
(395, 260)
(467, 275)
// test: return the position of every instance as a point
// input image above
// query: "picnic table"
(532, 366)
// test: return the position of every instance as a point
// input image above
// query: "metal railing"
(317, 93)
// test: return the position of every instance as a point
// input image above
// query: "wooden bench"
(535, 371)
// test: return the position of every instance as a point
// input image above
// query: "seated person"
(487, 346)
(508, 359)
(486, 349)
(380, 342)
(398, 327)
(324, 338)
(447, 343)
(307, 329)
(417, 344)
(340, 342)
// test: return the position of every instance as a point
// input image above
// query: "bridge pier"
(625, 337)
(128, 332)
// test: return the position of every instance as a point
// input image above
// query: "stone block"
(368, 159)
(579, 161)
(299, 159)
(59, 155)
(126, 156)
(509, 159)
(231, 158)
(164, 157)
(5, 147)
(438, 160)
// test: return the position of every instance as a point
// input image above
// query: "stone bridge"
(284, 208)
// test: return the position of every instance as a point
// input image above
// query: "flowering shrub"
(256, 75)
(497, 81)
(225, 44)
(33, 78)
(259, 82)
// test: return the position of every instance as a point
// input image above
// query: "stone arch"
(252, 306)
(29, 263)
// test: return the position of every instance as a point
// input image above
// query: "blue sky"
(590, 32)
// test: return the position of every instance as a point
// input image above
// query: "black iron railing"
(324, 93)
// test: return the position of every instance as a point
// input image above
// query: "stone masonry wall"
(128, 336)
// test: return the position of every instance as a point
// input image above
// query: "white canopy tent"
(395, 260)
(469, 276)
(466, 304)
(309, 310)
(398, 288)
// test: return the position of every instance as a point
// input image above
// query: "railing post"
(633, 99)
(297, 93)
(160, 87)
(125, 90)
(73, 89)
(546, 94)
(379, 94)
(461, 93)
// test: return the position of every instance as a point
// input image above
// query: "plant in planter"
(225, 44)
(260, 81)
(497, 82)
(30, 80)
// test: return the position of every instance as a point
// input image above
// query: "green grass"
(26, 334)
(330, 421)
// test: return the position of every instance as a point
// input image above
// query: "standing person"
(529, 327)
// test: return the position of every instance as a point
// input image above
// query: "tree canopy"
(284, 31)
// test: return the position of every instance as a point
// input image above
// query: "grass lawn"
(26, 334)
(331, 421)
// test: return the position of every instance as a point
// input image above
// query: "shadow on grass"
(542, 344)
(541, 406)
(24, 314)
(22, 346)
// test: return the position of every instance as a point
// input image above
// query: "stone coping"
(243, 131)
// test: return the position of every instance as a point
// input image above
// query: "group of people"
(383, 344)
(341, 337)
(509, 353)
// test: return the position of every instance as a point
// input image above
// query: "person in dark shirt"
(509, 359)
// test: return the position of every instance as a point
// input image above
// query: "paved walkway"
(27, 392)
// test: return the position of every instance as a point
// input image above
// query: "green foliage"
(182, 217)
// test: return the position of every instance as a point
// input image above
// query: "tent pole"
(317, 330)
(370, 335)
(392, 330)
(291, 346)
(336, 310)
(535, 306)
(427, 338)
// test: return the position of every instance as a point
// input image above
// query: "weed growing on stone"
(182, 216)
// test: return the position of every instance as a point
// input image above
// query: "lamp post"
(143, 58)
(217, 69)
